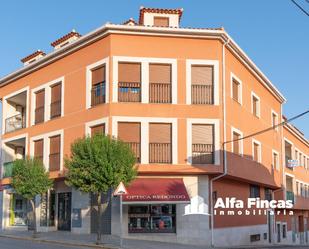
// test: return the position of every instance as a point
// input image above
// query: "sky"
(275, 34)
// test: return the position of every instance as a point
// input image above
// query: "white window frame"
(241, 142)
(96, 122)
(46, 146)
(216, 123)
(145, 133)
(277, 118)
(89, 68)
(233, 76)
(215, 65)
(4, 106)
(258, 108)
(47, 99)
(259, 156)
(277, 167)
(144, 61)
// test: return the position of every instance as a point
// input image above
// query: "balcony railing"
(7, 169)
(129, 92)
(160, 93)
(15, 122)
(290, 196)
(202, 94)
(287, 158)
(55, 109)
(98, 94)
(39, 115)
(202, 154)
(136, 148)
(160, 153)
(54, 162)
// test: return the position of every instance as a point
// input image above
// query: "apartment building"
(180, 97)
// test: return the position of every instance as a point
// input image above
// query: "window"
(129, 82)
(288, 152)
(39, 106)
(274, 119)
(160, 79)
(284, 230)
(98, 91)
(55, 105)
(268, 194)
(202, 144)
(160, 143)
(38, 149)
(97, 129)
(236, 90)
(255, 104)
(297, 188)
(256, 151)
(202, 82)
(161, 21)
(155, 218)
(237, 143)
(254, 191)
(130, 133)
(54, 154)
(275, 164)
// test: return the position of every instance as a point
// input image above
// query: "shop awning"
(156, 190)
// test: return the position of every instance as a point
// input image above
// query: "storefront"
(18, 210)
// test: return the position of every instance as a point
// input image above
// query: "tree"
(98, 164)
(29, 179)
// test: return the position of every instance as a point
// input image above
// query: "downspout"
(223, 145)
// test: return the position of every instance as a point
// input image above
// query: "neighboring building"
(175, 95)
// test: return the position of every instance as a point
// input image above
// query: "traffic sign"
(120, 190)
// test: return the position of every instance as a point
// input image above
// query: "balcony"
(160, 93)
(136, 148)
(129, 92)
(98, 94)
(160, 153)
(39, 115)
(55, 109)
(202, 154)
(202, 94)
(54, 162)
(15, 122)
(290, 196)
(7, 169)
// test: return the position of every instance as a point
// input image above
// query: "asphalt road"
(7, 243)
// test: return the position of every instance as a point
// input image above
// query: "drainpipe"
(223, 144)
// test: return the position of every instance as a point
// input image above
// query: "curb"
(65, 243)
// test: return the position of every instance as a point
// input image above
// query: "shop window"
(284, 228)
(18, 210)
(159, 218)
(254, 191)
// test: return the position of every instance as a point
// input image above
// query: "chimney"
(66, 39)
(130, 22)
(33, 57)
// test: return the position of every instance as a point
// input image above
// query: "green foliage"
(29, 178)
(99, 163)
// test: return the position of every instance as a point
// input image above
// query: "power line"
(300, 7)
(268, 129)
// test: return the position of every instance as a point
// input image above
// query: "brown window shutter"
(129, 72)
(98, 129)
(236, 144)
(202, 134)
(161, 21)
(129, 132)
(39, 99)
(235, 86)
(98, 75)
(160, 133)
(275, 160)
(254, 103)
(38, 148)
(160, 73)
(55, 144)
(255, 151)
(201, 75)
(54, 153)
(56, 93)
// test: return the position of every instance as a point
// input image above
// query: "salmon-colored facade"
(240, 101)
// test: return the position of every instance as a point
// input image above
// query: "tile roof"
(33, 55)
(157, 10)
(131, 20)
(65, 37)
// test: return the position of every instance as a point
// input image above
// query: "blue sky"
(274, 34)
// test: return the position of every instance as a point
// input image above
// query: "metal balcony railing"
(55, 109)
(129, 92)
(202, 154)
(290, 196)
(15, 122)
(54, 162)
(160, 93)
(98, 94)
(287, 158)
(7, 169)
(136, 148)
(202, 94)
(160, 153)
